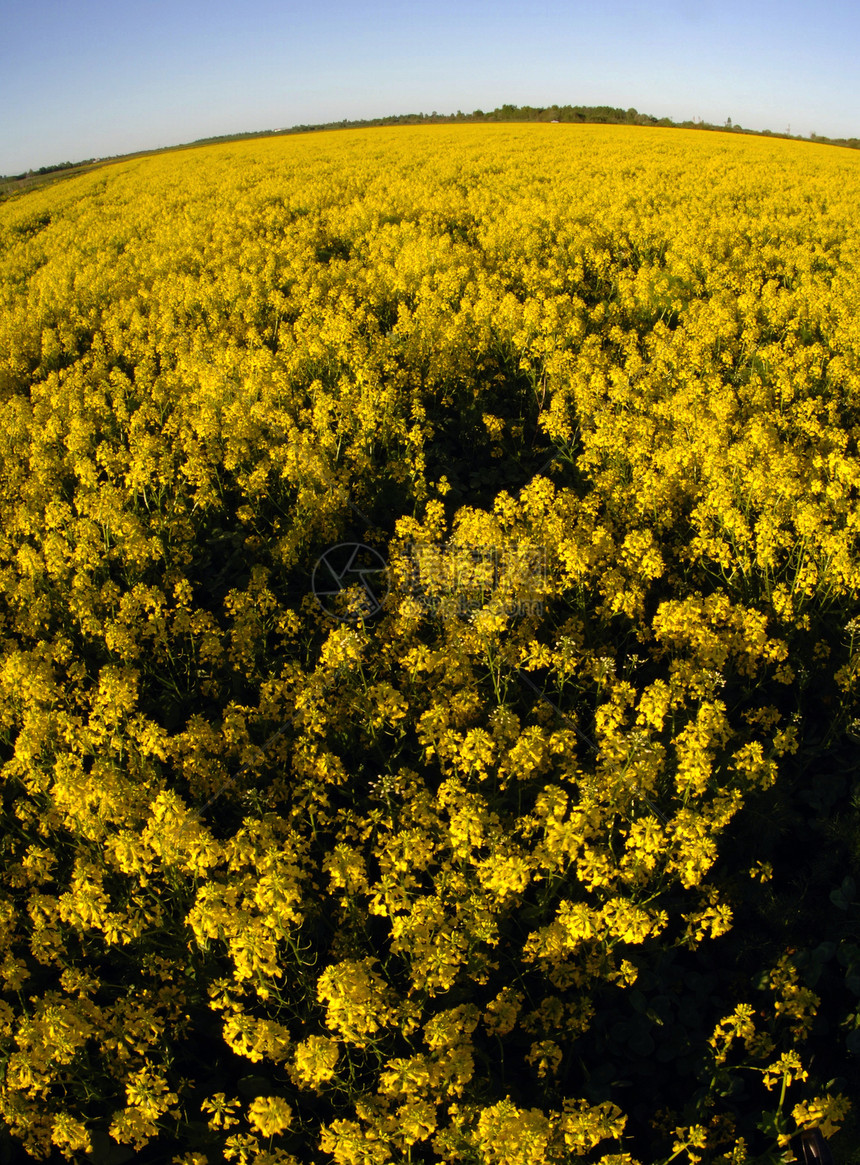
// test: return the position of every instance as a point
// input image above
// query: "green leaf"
(849, 953)
(812, 976)
(824, 951)
(852, 980)
(767, 1124)
(253, 1086)
(643, 1045)
(106, 1151)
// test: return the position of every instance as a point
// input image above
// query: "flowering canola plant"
(461, 881)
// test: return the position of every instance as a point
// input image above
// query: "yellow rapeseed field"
(539, 841)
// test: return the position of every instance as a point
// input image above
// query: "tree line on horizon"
(597, 114)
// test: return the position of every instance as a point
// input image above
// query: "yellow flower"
(824, 1112)
(788, 1068)
(545, 1056)
(148, 1092)
(222, 1111)
(314, 1061)
(416, 1120)
(356, 1000)
(71, 1134)
(511, 1135)
(269, 1115)
(585, 1126)
(350, 1145)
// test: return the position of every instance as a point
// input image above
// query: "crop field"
(429, 723)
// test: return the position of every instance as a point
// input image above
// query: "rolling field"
(429, 576)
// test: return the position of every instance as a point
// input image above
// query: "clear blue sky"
(91, 78)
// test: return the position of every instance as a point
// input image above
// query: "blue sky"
(92, 78)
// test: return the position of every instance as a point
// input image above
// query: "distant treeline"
(599, 114)
(49, 170)
(605, 114)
